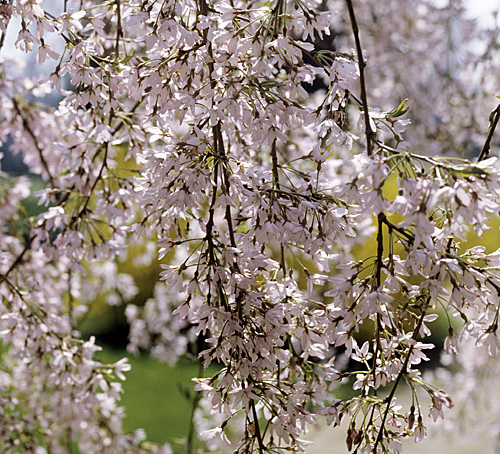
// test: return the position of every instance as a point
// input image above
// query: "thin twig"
(274, 156)
(18, 259)
(361, 63)
(194, 406)
(494, 117)
(277, 187)
(403, 371)
(28, 129)
(220, 153)
(380, 249)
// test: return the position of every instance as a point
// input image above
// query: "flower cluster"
(227, 133)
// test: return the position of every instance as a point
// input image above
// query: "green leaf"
(127, 58)
(399, 111)
(471, 170)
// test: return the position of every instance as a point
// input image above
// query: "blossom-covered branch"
(226, 135)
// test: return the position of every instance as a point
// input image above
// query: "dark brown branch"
(277, 187)
(260, 441)
(361, 63)
(18, 259)
(210, 223)
(494, 117)
(194, 406)
(274, 156)
(380, 249)
(403, 371)
(219, 150)
(119, 31)
(409, 236)
(30, 132)
(378, 278)
(220, 159)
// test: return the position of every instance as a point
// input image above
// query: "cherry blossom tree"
(253, 147)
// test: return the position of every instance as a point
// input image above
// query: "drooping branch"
(402, 372)
(362, 64)
(494, 118)
(30, 132)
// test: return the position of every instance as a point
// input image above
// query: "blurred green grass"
(152, 398)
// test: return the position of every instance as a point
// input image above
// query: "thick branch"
(260, 441)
